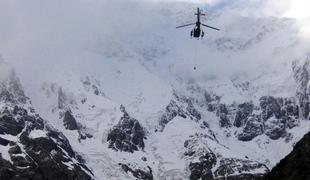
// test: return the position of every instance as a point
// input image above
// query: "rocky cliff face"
(206, 164)
(29, 147)
(295, 165)
(128, 135)
(302, 77)
(270, 117)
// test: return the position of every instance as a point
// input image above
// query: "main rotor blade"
(185, 25)
(211, 27)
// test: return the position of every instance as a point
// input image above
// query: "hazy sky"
(37, 33)
(28, 21)
(57, 27)
(277, 8)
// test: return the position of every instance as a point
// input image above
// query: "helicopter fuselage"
(196, 32)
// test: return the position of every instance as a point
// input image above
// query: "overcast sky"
(278, 8)
(52, 29)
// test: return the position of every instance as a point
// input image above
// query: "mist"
(256, 38)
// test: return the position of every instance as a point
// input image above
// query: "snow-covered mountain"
(30, 148)
(118, 93)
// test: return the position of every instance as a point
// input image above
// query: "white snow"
(9, 137)
(4, 150)
(37, 133)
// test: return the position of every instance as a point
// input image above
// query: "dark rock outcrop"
(172, 110)
(11, 125)
(11, 90)
(228, 168)
(182, 107)
(274, 117)
(243, 112)
(128, 135)
(275, 128)
(91, 85)
(270, 107)
(289, 111)
(243, 177)
(138, 173)
(253, 128)
(37, 151)
(232, 166)
(202, 169)
(208, 165)
(222, 113)
(302, 77)
(31, 149)
(69, 121)
(294, 166)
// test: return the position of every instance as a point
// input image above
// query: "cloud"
(295, 9)
(285, 8)
(36, 33)
(212, 2)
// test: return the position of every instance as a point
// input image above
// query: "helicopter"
(197, 31)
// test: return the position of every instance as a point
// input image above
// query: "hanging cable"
(195, 57)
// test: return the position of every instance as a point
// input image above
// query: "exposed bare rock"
(128, 135)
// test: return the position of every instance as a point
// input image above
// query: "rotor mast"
(198, 23)
(198, 14)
